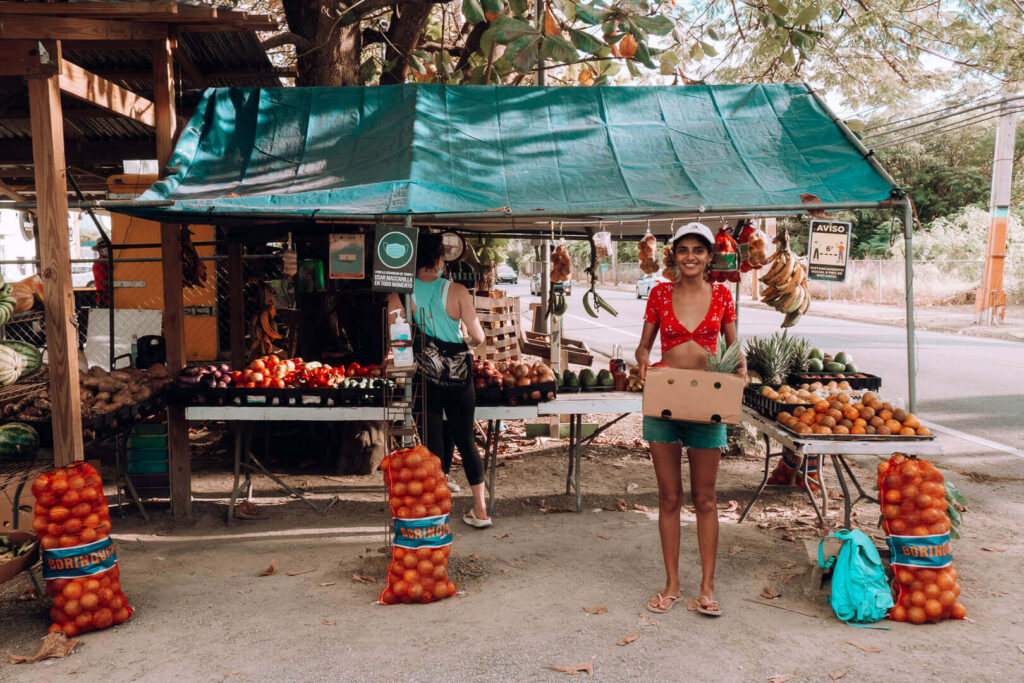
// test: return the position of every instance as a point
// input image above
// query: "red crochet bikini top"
(661, 314)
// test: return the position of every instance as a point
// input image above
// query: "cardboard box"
(693, 396)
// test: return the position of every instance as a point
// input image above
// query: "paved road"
(967, 384)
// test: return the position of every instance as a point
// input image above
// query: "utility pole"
(990, 302)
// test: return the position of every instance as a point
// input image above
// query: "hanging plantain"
(193, 270)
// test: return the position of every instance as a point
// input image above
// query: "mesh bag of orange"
(79, 563)
(420, 505)
(914, 518)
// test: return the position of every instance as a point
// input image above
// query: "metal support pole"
(408, 440)
(908, 242)
(540, 25)
(545, 287)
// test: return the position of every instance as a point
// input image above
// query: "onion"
(508, 379)
(524, 382)
(521, 370)
(190, 371)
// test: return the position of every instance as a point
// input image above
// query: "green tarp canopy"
(452, 152)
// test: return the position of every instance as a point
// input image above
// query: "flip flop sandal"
(707, 606)
(472, 520)
(672, 601)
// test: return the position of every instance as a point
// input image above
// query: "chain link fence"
(138, 303)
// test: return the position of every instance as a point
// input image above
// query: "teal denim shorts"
(690, 434)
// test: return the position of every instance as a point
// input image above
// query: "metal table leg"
(768, 455)
(491, 460)
(579, 463)
(238, 467)
(840, 464)
(807, 487)
(572, 440)
(258, 466)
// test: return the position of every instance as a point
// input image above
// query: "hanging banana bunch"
(785, 283)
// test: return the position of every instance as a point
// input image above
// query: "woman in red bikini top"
(690, 312)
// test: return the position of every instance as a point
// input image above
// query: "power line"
(989, 105)
(932, 113)
(945, 129)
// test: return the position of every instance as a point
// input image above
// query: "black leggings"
(458, 405)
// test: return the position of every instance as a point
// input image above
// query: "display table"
(574, 405)
(804, 445)
(245, 415)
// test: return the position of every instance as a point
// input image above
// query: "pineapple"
(725, 358)
(770, 357)
(801, 349)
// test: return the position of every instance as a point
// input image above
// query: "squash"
(33, 359)
(18, 441)
(12, 364)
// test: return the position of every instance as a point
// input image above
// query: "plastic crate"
(768, 407)
(137, 441)
(490, 396)
(147, 467)
(522, 395)
(147, 454)
(149, 429)
(863, 382)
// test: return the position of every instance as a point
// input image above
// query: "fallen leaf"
(866, 648)
(993, 549)
(363, 579)
(573, 669)
(247, 510)
(644, 620)
(55, 646)
(329, 583)
(1021, 648)
(789, 579)
(735, 549)
(770, 593)
(836, 675)
(328, 622)
(808, 198)
(301, 571)
(269, 570)
(620, 505)
(503, 536)
(632, 486)
(474, 557)
(505, 570)
(596, 609)
(626, 640)
(781, 678)
(604, 536)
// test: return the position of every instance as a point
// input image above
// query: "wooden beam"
(179, 456)
(236, 311)
(33, 58)
(55, 269)
(75, 28)
(91, 9)
(87, 86)
(9, 192)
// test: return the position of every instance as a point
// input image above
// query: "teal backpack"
(860, 593)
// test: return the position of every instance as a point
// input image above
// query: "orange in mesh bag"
(915, 521)
(79, 562)
(420, 502)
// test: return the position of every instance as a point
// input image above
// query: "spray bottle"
(401, 341)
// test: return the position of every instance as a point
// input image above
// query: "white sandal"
(472, 520)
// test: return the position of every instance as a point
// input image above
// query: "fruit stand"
(538, 175)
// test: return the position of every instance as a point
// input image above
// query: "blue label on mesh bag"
(426, 532)
(82, 560)
(921, 551)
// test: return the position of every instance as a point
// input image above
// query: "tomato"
(72, 590)
(70, 629)
(405, 474)
(440, 573)
(59, 600)
(87, 536)
(434, 511)
(419, 511)
(428, 498)
(931, 591)
(425, 568)
(58, 486)
(958, 611)
(410, 560)
(55, 628)
(429, 484)
(39, 525)
(414, 460)
(415, 591)
(278, 383)
(442, 492)
(898, 613)
(402, 513)
(916, 615)
(258, 365)
(398, 489)
(46, 500)
(82, 510)
(410, 501)
(890, 511)
(72, 608)
(415, 488)
(49, 542)
(445, 506)
(115, 603)
(59, 513)
(105, 594)
(397, 463)
(84, 621)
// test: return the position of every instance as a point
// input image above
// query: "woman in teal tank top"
(439, 309)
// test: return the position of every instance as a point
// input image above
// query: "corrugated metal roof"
(229, 58)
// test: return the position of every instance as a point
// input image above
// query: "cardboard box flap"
(693, 396)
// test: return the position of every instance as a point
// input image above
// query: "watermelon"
(11, 365)
(18, 441)
(33, 359)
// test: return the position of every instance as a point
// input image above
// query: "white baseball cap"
(694, 229)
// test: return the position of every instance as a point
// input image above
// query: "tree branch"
(286, 38)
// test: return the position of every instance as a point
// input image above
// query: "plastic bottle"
(401, 342)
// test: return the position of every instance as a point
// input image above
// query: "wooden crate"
(499, 316)
(536, 344)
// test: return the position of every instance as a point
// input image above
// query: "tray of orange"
(844, 418)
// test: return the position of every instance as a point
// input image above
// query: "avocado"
(827, 358)
(815, 365)
(587, 377)
(570, 379)
(835, 367)
(842, 358)
(559, 381)
(605, 379)
(850, 367)
(816, 354)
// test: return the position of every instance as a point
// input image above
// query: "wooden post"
(236, 315)
(179, 457)
(55, 268)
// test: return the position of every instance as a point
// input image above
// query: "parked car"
(645, 284)
(81, 276)
(507, 276)
(535, 286)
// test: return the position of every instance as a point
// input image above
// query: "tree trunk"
(407, 27)
(332, 57)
